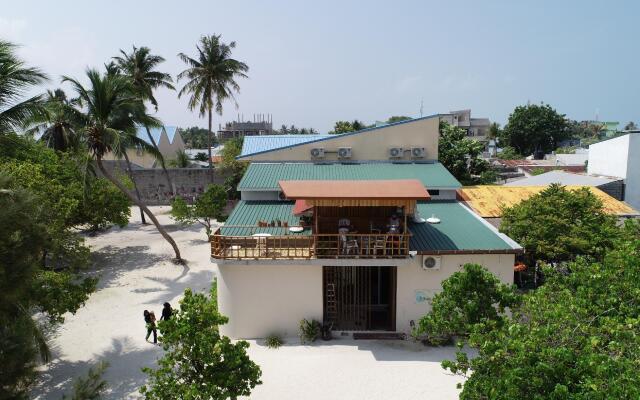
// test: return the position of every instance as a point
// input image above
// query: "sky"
(315, 62)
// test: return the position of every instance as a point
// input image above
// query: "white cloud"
(12, 29)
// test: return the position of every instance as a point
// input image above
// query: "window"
(434, 192)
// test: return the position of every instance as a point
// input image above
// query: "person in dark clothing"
(150, 321)
(167, 312)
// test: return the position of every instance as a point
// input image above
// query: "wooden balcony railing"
(321, 246)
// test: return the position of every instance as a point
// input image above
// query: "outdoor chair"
(348, 245)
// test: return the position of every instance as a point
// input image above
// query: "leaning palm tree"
(15, 80)
(140, 66)
(211, 78)
(108, 104)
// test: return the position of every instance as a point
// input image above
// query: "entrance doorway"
(360, 298)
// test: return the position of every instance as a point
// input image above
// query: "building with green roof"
(361, 244)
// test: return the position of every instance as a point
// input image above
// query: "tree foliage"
(207, 208)
(558, 224)
(468, 297)
(576, 337)
(92, 386)
(397, 118)
(459, 154)
(534, 128)
(195, 137)
(347, 126)
(198, 362)
(181, 160)
(233, 168)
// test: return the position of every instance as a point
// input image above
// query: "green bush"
(468, 297)
(309, 331)
(274, 341)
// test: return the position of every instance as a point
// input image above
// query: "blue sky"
(315, 62)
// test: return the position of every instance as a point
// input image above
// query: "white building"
(619, 157)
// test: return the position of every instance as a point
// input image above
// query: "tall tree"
(630, 126)
(211, 78)
(107, 100)
(140, 66)
(534, 129)
(15, 80)
(459, 154)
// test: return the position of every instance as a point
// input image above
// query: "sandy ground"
(136, 274)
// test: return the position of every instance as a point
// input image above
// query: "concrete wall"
(632, 183)
(369, 145)
(153, 186)
(262, 298)
(609, 158)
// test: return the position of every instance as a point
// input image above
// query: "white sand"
(136, 274)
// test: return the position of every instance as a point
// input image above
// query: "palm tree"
(140, 66)
(181, 160)
(109, 103)
(211, 78)
(15, 80)
(58, 122)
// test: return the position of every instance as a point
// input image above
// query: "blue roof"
(321, 138)
(171, 132)
(156, 133)
(260, 144)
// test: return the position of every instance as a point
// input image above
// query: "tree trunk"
(209, 141)
(164, 168)
(140, 204)
(135, 185)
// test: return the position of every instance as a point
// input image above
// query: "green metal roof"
(265, 176)
(458, 231)
(250, 212)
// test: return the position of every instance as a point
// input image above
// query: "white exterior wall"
(261, 299)
(632, 182)
(609, 158)
(264, 299)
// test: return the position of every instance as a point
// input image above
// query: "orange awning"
(407, 189)
(301, 206)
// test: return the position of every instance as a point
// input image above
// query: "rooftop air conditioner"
(317, 152)
(417, 152)
(344, 152)
(396, 152)
(431, 263)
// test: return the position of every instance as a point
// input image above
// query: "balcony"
(283, 245)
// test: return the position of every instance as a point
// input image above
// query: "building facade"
(358, 239)
(169, 142)
(476, 128)
(261, 125)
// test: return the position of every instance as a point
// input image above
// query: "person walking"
(150, 321)
(167, 312)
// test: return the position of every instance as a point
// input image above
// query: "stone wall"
(153, 186)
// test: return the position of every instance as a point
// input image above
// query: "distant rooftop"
(262, 143)
(564, 178)
(156, 133)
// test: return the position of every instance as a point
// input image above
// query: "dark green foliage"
(557, 225)
(459, 154)
(200, 156)
(198, 362)
(576, 337)
(181, 160)
(398, 118)
(509, 153)
(231, 167)
(346, 126)
(196, 138)
(309, 330)
(468, 297)
(293, 130)
(92, 386)
(207, 208)
(274, 341)
(534, 128)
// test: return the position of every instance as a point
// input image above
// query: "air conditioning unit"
(396, 152)
(344, 152)
(317, 152)
(417, 152)
(431, 263)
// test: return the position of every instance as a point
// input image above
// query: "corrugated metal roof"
(488, 201)
(458, 230)
(564, 178)
(259, 144)
(156, 133)
(249, 212)
(265, 176)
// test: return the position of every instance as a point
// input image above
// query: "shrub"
(274, 341)
(468, 297)
(309, 330)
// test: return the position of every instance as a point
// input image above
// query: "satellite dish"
(433, 219)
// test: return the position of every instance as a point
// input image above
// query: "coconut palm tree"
(140, 66)
(109, 104)
(211, 78)
(15, 80)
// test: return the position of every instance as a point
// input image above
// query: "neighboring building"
(168, 140)
(609, 128)
(619, 157)
(613, 187)
(261, 125)
(488, 201)
(476, 128)
(314, 235)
